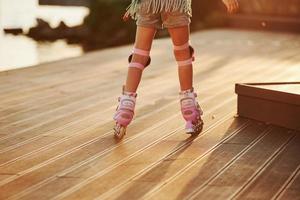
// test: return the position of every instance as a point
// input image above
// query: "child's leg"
(190, 108)
(140, 58)
(180, 37)
(144, 38)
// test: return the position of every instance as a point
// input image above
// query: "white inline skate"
(191, 112)
(124, 113)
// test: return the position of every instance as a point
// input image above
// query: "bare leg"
(144, 38)
(179, 37)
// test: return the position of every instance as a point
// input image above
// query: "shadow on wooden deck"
(56, 139)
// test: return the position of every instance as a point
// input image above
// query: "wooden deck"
(56, 139)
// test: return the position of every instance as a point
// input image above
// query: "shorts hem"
(149, 26)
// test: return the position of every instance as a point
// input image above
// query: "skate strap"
(185, 62)
(127, 104)
(189, 91)
(182, 47)
(140, 52)
(131, 94)
(136, 65)
(187, 102)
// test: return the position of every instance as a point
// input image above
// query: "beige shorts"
(163, 19)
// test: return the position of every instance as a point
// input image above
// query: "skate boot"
(191, 112)
(124, 113)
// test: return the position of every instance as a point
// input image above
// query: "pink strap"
(137, 65)
(141, 52)
(182, 47)
(185, 62)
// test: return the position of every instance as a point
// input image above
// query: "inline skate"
(124, 113)
(191, 112)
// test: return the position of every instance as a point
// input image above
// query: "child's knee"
(184, 54)
(139, 59)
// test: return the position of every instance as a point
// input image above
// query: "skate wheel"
(119, 131)
(199, 127)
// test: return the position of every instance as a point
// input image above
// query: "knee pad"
(183, 47)
(137, 64)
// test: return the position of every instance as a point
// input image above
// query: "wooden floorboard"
(292, 189)
(226, 184)
(48, 125)
(56, 139)
(270, 180)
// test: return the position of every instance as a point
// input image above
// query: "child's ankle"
(128, 92)
(187, 90)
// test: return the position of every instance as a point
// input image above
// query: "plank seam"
(261, 169)
(219, 172)
(287, 184)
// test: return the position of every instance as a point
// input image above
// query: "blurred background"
(38, 31)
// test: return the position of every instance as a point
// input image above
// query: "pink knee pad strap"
(137, 65)
(182, 47)
(187, 62)
(140, 52)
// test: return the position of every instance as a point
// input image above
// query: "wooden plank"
(237, 173)
(22, 151)
(57, 123)
(153, 167)
(270, 180)
(76, 78)
(175, 104)
(292, 191)
(193, 157)
(252, 90)
(6, 176)
(135, 164)
(282, 87)
(100, 93)
(97, 62)
(13, 156)
(27, 135)
(91, 92)
(63, 184)
(88, 154)
(22, 137)
(185, 183)
(71, 159)
(267, 111)
(41, 174)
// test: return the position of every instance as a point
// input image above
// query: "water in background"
(20, 51)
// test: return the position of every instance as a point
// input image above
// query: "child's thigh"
(175, 19)
(150, 20)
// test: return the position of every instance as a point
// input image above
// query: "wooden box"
(274, 103)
